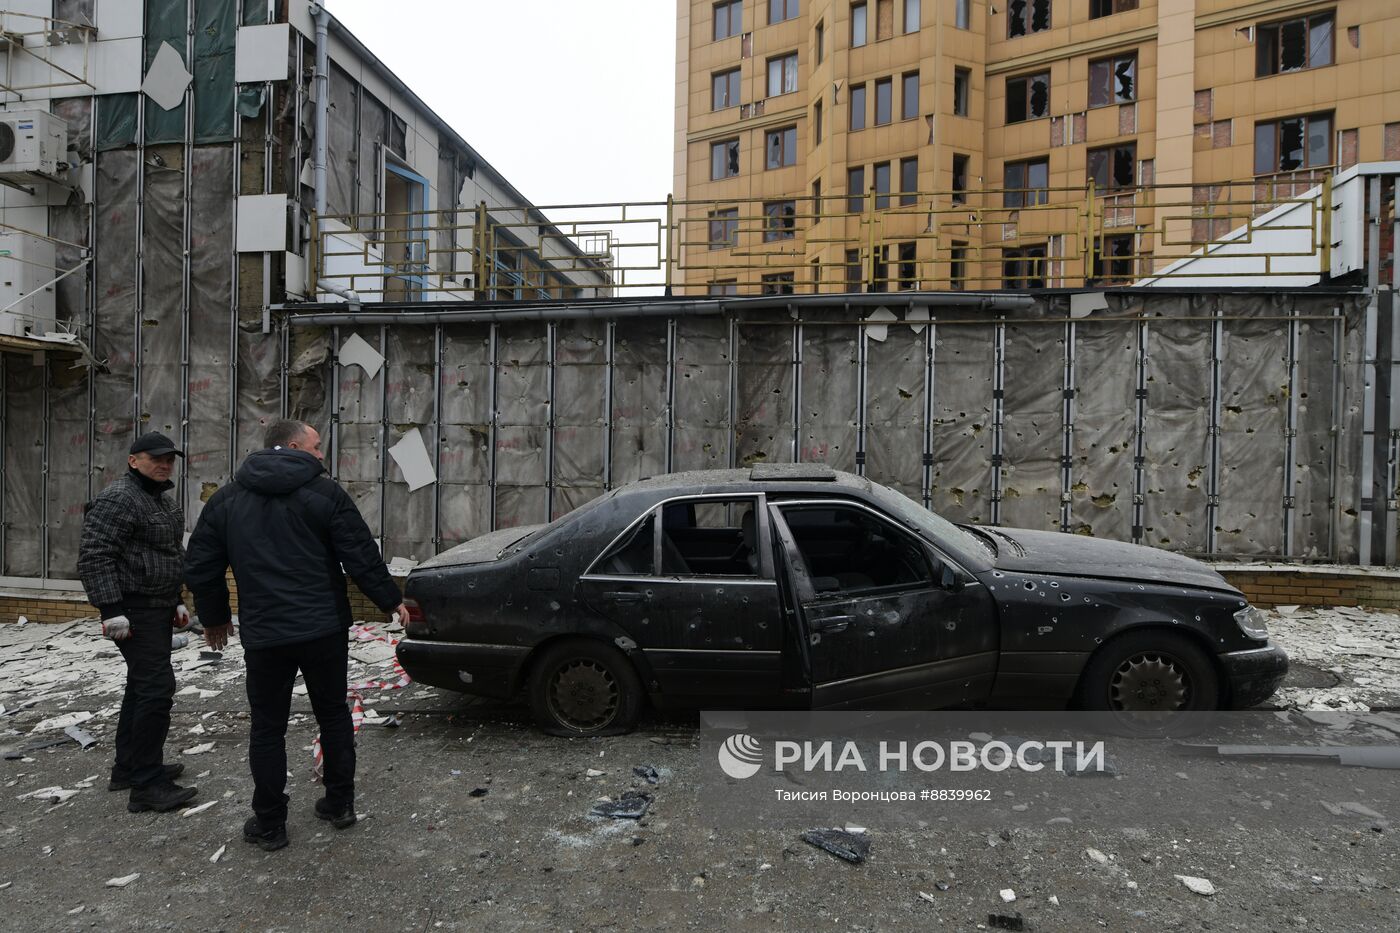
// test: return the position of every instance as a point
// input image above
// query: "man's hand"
(216, 636)
(399, 614)
(116, 628)
(182, 616)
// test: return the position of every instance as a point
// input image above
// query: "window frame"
(784, 73)
(780, 279)
(729, 7)
(930, 556)
(857, 111)
(1027, 81)
(864, 20)
(915, 7)
(962, 14)
(777, 232)
(885, 87)
(1112, 61)
(728, 220)
(819, 40)
(818, 118)
(1110, 152)
(962, 91)
(908, 195)
(1103, 262)
(1027, 19)
(1114, 7)
(764, 577)
(1277, 130)
(882, 194)
(1027, 277)
(787, 155)
(790, 7)
(855, 199)
(733, 82)
(1276, 27)
(960, 188)
(715, 147)
(904, 96)
(1026, 194)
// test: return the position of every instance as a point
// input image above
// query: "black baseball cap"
(156, 444)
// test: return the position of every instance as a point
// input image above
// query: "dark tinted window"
(848, 550)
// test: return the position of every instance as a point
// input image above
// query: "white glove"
(117, 628)
(182, 616)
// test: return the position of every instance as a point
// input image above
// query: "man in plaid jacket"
(130, 560)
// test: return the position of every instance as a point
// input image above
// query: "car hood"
(1052, 552)
(482, 549)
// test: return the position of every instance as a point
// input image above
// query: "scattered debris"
(1008, 895)
(651, 773)
(199, 749)
(1195, 885)
(594, 772)
(928, 897)
(123, 881)
(852, 847)
(61, 722)
(199, 809)
(1054, 900)
(631, 805)
(218, 854)
(1006, 921)
(54, 794)
(478, 792)
(1097, 856)
(84, 740)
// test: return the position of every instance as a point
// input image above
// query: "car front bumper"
(1254, 674)
(485, 670)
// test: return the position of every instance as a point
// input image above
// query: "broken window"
(781, 146)
(1026, 183)
(908, 266)
(962, 93)
(780, 10)
(959, 178)
(1024, 17)
(1099, 8)
(884, 101)
(882, 185)
(1113, 167)
(884, 19)
(855, 189)
(1113, 80)
(1113, 259)
(729, 19)
(777, 283)
(1023, 267)
(909, 101)
(634, 555)
(782, 74)
(857, 106)
(724, 228)
(724, 159)
(957, 265)
(1293, 143)
(1294, 44)
(853, 270)
(724, 89)
(779, 220)
(1027, 98)
(908, 181)
(858, 31)
(911, 15)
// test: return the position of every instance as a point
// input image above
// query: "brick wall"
(65, 605)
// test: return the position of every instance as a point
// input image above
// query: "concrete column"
(1176, 92)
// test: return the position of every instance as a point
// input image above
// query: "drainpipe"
(321, 79)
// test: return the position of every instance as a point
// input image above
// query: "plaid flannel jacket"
(131, 553)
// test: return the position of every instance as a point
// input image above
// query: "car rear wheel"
(584, 688)
(1147, 673)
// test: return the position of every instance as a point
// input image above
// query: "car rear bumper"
(485, 670)
(1254, 674)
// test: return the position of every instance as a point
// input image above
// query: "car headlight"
(1253, 621)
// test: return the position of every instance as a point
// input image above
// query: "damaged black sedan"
(787, 587)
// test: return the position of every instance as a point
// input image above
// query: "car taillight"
(417, 622)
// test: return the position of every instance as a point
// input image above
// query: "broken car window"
(634, 555)
(847, 549)
(711, 537)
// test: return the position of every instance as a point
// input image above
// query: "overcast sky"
(572, 100)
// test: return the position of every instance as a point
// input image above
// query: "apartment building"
(841, 145)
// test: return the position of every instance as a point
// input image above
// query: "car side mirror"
(949, 579)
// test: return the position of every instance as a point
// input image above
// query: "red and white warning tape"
(353, 698)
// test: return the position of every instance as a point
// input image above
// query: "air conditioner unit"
(32, 142)
(26, 284)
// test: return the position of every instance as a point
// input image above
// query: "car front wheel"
(1150, 672)
(581, 687)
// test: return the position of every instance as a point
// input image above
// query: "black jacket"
(130, 554)
(286, 528)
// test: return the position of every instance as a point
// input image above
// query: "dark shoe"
(172, 771)
(162, 797)
(269, 840)
(341, 819)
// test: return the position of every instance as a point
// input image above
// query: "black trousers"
(271, 672)
(150, 693)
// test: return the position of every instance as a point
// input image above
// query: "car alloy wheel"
(1150, 681)
(583, 694)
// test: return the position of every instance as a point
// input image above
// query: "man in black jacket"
(287, 529)
(129, 559)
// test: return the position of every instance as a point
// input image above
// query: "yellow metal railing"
(977, 239)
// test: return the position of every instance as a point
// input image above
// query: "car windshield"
(936, 527)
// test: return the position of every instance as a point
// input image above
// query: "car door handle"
(834, 623)
(623, 596)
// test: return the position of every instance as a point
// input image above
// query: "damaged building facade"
(293, 239)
